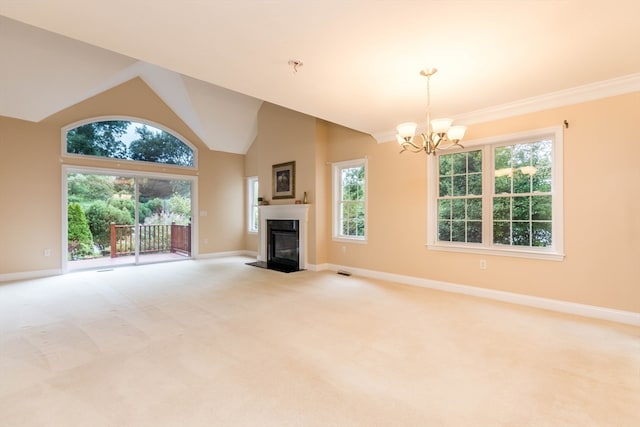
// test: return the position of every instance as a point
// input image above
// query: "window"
(502, 196)
(350, 200)
(522, 195)
(252, 204)
(460, 197)
(127, 140)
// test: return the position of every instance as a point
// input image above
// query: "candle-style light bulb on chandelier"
(439, 134)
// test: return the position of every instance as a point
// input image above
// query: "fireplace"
(288, 213)
(283, 244)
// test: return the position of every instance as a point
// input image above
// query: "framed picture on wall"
(284, 180)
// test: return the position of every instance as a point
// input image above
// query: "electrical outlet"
(46, 252)
(483, 264)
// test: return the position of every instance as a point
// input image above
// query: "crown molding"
(576, 95)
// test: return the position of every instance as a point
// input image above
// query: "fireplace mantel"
(299, 212)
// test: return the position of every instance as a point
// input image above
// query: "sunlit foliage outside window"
(350, 199)
(122, 139)
(252, 184)
(517, 189)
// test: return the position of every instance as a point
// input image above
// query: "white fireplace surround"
(299, 212)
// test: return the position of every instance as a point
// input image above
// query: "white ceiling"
(215, 61)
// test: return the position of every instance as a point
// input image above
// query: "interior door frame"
(67, 169)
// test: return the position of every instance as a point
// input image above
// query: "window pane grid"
(522, 201)
(352, 218)
(505, 194)
(460, 219)
(459, 201)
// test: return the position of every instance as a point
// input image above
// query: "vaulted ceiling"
(214, 62)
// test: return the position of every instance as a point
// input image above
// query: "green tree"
(176, 209)
(160, 147)
(123, 185)
(150, 207)
(79, 237)
(125, 205)
(84, 188)
(150, 189)
(99, 139)
(181, 187)
(180, 205)
(100, 216)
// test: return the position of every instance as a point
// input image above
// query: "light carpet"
(220, 343)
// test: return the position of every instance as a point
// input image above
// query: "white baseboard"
(29, 275)
(45, 273)
(227, 254)
(603, 313)
(318, 267)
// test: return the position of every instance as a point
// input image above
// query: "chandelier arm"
(453, 145)
(412, 150)
(410, 146)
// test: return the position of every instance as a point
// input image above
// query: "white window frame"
(555, 252)
(337, 200)
(252, 204)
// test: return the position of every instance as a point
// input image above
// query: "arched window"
(128, 140)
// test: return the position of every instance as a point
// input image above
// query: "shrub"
(79, 237)
(150, 207)
(166, 218)
(180, 205)
(100, 216)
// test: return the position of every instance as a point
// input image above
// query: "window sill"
(530, 254)
(349, 240)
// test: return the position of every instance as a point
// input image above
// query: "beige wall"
(602, 211)
(283, 136)
(31, 179)
(30, 193)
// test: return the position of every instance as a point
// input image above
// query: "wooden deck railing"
(181, 239)
(153, 239)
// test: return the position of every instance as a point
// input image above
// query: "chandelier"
(439, 135)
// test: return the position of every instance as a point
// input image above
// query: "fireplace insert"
(283, 245)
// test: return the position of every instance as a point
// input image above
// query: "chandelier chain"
(429, 104)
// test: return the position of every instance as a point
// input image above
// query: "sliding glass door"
(164, 221)
(117, 218)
